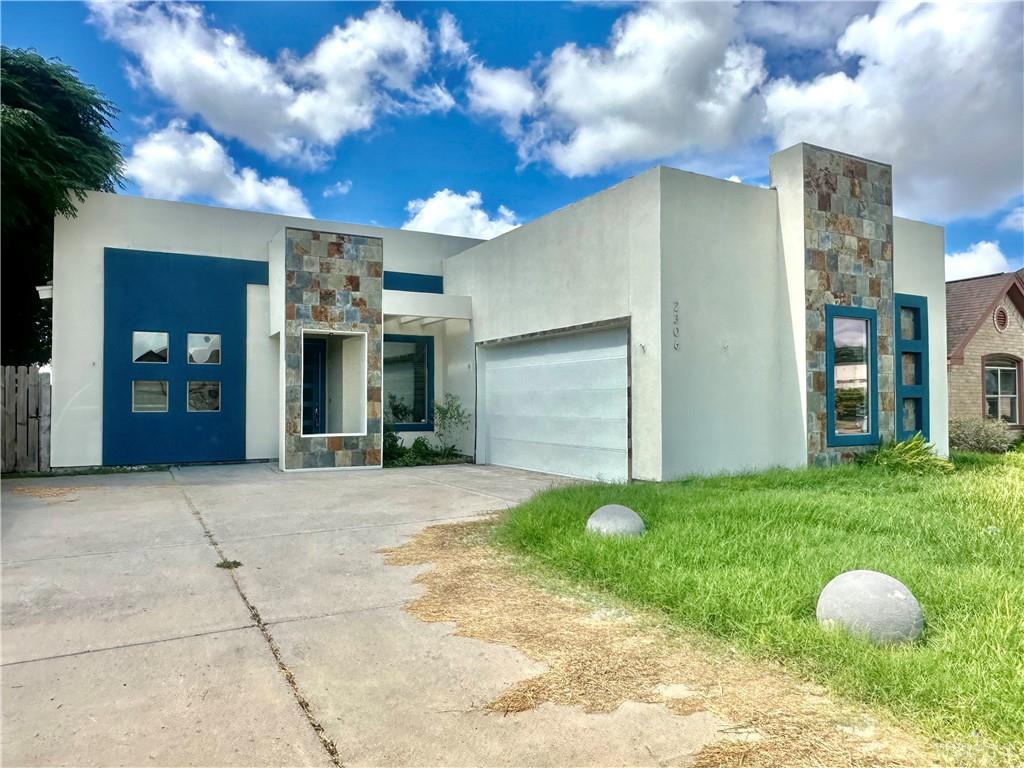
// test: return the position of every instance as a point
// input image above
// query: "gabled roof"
(969, 302)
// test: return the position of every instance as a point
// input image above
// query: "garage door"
(557, 405)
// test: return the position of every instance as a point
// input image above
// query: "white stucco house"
(672, 324)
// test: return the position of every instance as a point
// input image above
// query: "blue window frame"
(851, 370)
(408, 363)
(911, 365)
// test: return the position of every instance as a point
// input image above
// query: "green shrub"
(393, 447)
(451, 421)
(914, 455)
(422, 448)
(977, 434)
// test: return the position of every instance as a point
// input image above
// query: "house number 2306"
(675, 326)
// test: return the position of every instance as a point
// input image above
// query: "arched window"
(1002, 388)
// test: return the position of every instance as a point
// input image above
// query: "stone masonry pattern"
(848, 261)
(333, 282)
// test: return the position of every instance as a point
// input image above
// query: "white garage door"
(557, 405)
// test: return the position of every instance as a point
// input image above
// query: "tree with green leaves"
(54, 149)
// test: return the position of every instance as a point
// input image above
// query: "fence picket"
(44, 422)
(25, 419)
(10, 419)
(21, 383)
(32, 453)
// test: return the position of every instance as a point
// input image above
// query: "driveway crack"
(275, 650)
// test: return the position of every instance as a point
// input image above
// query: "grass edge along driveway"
(744, 558)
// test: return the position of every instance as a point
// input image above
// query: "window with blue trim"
(408, 382)
(911, 366)
(851, 352)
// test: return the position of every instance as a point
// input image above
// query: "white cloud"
(338, 188)
(672, 78)
(450, 213)
(506, 93)
(939, 92)
(174, 163)
(1014, 220)
(735, 178)
(291, 108)
(449, 37)
(806, 25)
(982, 258)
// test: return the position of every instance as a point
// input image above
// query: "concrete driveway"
(124, 644)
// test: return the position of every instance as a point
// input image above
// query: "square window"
(204, 348)
(149, 347)
(203, 396)
(908, 324)
(911, 422)
(910, 369)
(149, 397)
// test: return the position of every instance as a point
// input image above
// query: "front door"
(314, 385)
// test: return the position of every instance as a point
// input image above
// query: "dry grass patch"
(49, 491)
(600, 655)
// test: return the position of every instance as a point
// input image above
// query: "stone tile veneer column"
(848, 261)
(332, 283)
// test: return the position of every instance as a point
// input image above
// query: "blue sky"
(473, 117)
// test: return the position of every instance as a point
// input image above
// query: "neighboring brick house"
(985, 347)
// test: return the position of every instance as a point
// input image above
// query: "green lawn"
(744, 558)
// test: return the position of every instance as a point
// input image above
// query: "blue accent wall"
(411, 281)
(918, 346)
(861, 313)
(178, 294)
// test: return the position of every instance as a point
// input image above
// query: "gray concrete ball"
(615, 520)
(871, 605)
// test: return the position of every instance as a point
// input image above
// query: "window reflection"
(204, 348)
(149, 347)
(851, 371)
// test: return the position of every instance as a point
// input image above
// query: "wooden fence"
(26, 419)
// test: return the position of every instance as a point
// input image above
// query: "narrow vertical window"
(409, 382)
(912, 366)
(852, 376)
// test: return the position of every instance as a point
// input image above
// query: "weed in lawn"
(744, 559)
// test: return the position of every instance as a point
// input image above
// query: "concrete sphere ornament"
(871, 605)
(615, 520)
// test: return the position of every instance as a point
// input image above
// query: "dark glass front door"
(314, 385)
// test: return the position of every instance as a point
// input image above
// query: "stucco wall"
(919, 269)
(124, 221)
(966, 399)
(731, 392)
(261, 359)
(595, 260)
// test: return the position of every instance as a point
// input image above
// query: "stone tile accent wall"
(848, 261)
(966, 396)
(332, 283)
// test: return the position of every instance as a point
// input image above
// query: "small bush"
(451, 421)
(393, 447)
(987, 435)
(915, 456)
